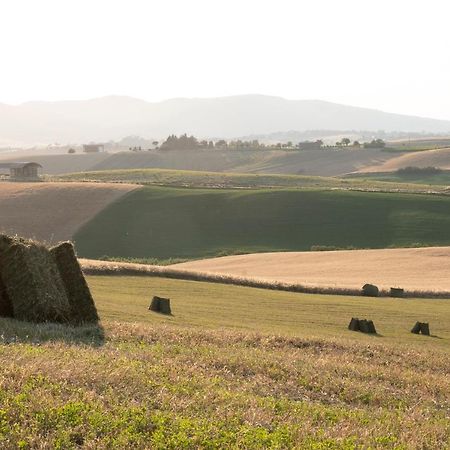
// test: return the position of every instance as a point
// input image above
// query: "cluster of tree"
(185, 142)
(412, 170)
(375, 143)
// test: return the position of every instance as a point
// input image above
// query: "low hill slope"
(160, 222)
(424, 269)
(326, 162)
(53, 212)
(190, 178)
(429, 158)
(55, 164)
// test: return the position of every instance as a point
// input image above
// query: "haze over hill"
(113, 117)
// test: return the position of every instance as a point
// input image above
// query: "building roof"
(18, 165)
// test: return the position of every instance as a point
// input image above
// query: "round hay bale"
(397, 292)
(370, 290)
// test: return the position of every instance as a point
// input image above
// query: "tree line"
(185, 142)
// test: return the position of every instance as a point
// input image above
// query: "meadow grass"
(163, 222)
(442, 178)
(191, 178)
(234, 367)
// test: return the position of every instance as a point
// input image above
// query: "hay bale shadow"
(17, 331)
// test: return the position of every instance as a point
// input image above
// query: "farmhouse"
(93, 148)
(22, 170)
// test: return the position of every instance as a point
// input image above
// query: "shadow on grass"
(15, 331)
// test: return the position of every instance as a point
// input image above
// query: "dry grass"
(53, 212)
(154, 386)
(233, 367)
(434, 158)
(420, 271)
(425, 269)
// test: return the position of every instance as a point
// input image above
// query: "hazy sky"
(387, 54)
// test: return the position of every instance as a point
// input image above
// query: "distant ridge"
(113, 117)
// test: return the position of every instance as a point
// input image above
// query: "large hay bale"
(397, 292)
(370, 290)
(82, 304)
(33, 284)
(6, 309)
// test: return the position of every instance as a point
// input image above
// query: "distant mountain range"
(112, 118)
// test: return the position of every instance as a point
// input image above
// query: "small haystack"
(37, 285)
(397, 292)
(363, 325)
(421, 327)
(370, 290)
(80, 299)
(161, 305)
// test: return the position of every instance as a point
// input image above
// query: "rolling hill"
(431, 158)
(320, 163)
(161, 222)
(112, 118)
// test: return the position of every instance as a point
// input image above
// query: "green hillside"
(441, 178)
(163, 222)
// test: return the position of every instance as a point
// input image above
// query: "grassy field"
(157, 222)
(442, 178)
(190, 178)
(233, 367)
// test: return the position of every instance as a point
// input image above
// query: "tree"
(345, 142)
(71, 150)
(356, 144)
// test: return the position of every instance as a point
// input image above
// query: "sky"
(390, 55)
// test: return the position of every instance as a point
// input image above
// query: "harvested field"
(424, 269)
(434, 158)
(53, 212)
(57, 163)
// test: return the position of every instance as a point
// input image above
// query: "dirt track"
(52, 212)
(412, 269)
